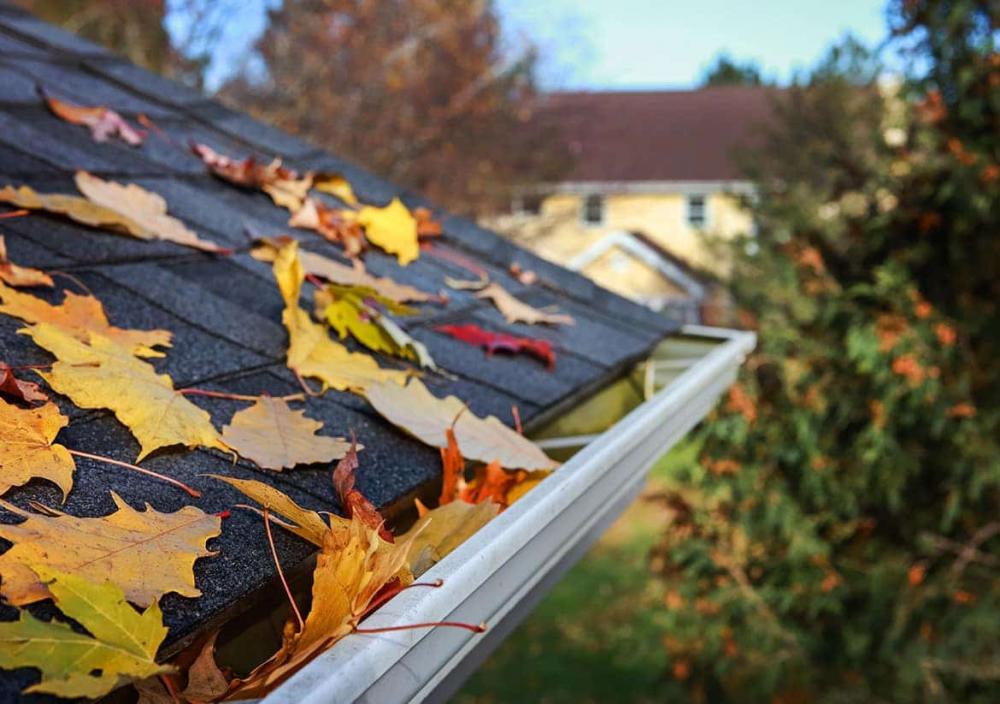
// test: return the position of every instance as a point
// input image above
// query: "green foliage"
(839, 538)
(726, 71)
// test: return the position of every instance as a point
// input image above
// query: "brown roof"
(658, 135)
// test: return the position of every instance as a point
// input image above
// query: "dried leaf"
(414, 409)
(427, 226)
(29, 450)
(515, 311)
(452, 468)
(491, 483)
(441, 530)
(335, 185)
(266, 250)
(274, 436)
(411, 348)
(20, 276)
(102, 374)
(79, 316)
(334, 224)
(121, 648)
(308, 525)
(12, 387)
(499, 342)
(120, 546)
(354, 502)
(311, 352)
(353, 567)
(147, 209)
(526, 481)
(103, 122)
(206, 683)
(391, 228)
(284, 186)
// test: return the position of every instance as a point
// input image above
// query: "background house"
(652, 173)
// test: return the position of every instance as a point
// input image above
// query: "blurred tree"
(419, 91)
(839, 539)
(726, 71)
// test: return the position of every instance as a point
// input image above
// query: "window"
(593, 210)
(530, 204)
(697, 212)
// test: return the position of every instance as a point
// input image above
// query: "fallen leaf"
(121, 646)
(334, 224)
(525, 276)
(79, 316)
(274, 436)
(101, 374)
(14, 275)
(335, 185)
(499, 342)
(427, 226)
(14, 388)
(414, 409)
(129, 209)
(144, 207)
(283, 185)
(206, 682)
(103, 122)
(391, 228)
(526, 481)
(27, 436)
(354, 502)
(308, 525)
(439, 531)
(353, 567)
(491, 483)
(266, 250)
(515, 311)
(411, 348)
(311, 352)
(452, 468)
(121, 546)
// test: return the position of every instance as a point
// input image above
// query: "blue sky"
(603, 44)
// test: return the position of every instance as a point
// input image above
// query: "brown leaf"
(427, 226)
(103, 122)
(515, 311)
(284, 186)
(274, 436)
(12, 387)
(206, 682)
(414, 409)
(334, 224)
(20, 276)
(27, 437)
(354, 502)
(79, 316)
(121, 546)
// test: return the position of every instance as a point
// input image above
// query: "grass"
(595, 637)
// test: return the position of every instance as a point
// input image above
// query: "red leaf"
(353, 500)
(500, 342)
(13, 387)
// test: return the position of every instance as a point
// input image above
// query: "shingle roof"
(657, 135)
(225, 311)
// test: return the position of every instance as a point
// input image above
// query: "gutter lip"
(486, 576)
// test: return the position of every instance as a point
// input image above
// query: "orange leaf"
(27, 437)
(453, 468)
(14, 275)
(103, 122)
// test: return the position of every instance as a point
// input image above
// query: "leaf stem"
(281, 574)
(390, 594)
(516, 412)
(135, 468)
(235, 397)
(75, 280)
(14, 214)
(481, 628)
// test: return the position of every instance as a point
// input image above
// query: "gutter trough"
(499, 574)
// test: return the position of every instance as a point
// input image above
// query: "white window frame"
(583, 210)
(705, 220)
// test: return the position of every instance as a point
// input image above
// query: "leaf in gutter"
(335, 185)
(30, 451)
(526, 481)
(120, 546)
(308, 525)
(334, 224)
(103, 122)
(79, 316)
(311, 352)
(20, 276)
(414, 409)
(12, 387)
(206, 682)
(391, 228)
(452, 468)
(266, 250)
(491, 483)
(515, 311)
(499, 342)
(121, 646)
(274, 436)
(354, 502)
(101, 374)
(439, 531)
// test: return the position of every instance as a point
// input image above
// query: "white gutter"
(504, 568)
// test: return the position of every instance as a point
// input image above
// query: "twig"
(14, 214)
(236, 397)
(74, 279)
(481, 628)
(135, 468)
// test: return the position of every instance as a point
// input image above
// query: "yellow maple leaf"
(311, 352)
(439, 531)
(121, 646)
(274, 436)
(14, 275)
(79, 316)
(120, 546)
(335, 185)
(393, 228)
(27, 436)
(428, 418)
(101, 374)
